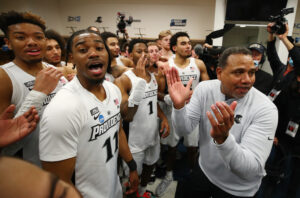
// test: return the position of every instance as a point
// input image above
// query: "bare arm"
(124, 84)
(203, 72)
(63, 169)
(164, 127)
(127, 62)
(127, 157)
(161, 80)
(6, 90)
(118, 70)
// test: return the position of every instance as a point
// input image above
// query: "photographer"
(281, 72)
(286, 96)
(209, 55)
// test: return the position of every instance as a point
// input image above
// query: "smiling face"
(90, 57)
(27, 42)
(238, 76)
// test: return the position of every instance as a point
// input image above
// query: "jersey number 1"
(151, 107)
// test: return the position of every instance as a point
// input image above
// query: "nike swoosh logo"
(270, 138)
(96, 117)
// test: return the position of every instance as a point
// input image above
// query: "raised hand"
(178, 92)
(269, 27)
(285, 34)
(47, 79)
(224, 120)
(12, 130)
(140, 67)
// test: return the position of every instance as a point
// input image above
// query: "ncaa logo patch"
(101, 118)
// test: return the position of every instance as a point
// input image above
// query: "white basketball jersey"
(88, 129)
(143, 130)
(22, 84)
(109, 77)
(190, 71)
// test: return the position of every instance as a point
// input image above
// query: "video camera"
(122, 22)
(214, 51)
(280, 21)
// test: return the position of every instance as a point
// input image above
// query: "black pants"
(198, 185)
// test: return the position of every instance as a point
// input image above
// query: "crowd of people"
(83, 119)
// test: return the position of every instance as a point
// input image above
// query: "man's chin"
(33, 61)
(97, 80)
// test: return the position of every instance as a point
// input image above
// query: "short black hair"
(13, 17)
(79, 32)
(133, 42)
(173, 40)
(106, 35)
(51, 34)
(232, 50)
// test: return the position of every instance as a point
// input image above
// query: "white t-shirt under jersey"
(143, 130)
(22, 84)
(77, 124)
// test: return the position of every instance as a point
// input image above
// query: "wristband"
(132, 165)
(168, 100)
(33, 98)
(137, 93)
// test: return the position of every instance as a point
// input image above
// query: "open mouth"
(243, 89)
(96, 68)
(33, 52)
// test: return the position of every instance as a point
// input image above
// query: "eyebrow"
(82, 42)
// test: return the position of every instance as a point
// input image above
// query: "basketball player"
(188, 68)
(139, 107)
(28, 82)
(118, 65)
(81, 127)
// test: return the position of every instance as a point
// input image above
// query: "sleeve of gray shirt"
(248, 158)
(187, 118)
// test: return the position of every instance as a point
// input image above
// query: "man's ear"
(174, 47)
(7, 42)
(219, 72)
